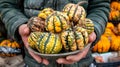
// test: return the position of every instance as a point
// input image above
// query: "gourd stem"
(82, 2)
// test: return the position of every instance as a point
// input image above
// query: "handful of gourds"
(53, 31)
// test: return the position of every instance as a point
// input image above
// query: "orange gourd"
(103, 45)
(110, 25)
(115, 43)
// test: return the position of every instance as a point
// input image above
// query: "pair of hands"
(24, 32)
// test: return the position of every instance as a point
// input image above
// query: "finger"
(24, 30)
(64, 61)
(92, 37)
(78, 56)
(36, 57)
(75, 58)
(45, 61)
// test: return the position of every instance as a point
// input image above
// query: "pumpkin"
(75, 12)
(32, 39)
(49, 43)
(115, 43)
(57, 22)
(114, 15)
(103, 45)
(45, 13)
(36, 24)
(108, 33)
(115, 5)
(74, 39)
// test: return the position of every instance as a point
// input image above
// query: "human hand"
(75, 58)
(24, 32)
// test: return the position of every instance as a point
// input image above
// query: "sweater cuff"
(14, 28)
(97, 30)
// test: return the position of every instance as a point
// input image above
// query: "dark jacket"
(14, 13)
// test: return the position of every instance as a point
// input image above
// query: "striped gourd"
(83, 32)
(57, 22)
(32, 39)
(75, 12)
(89, 25)
(36, 24)
(73, 40)
(49, 43)
(45, 13)
(68, 40)
(86, 24)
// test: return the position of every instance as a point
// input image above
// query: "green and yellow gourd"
(75, 11)
(32, 39)
(86, 24)
(68, 40)
(74, 39)
(57, 22)
(45, 13)
(84, 33)
(49, 43)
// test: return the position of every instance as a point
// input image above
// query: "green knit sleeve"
(11, 15)
(98, 12)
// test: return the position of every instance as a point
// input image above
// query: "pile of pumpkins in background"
(9, 48)
(110, 40)
(55, 31)
(115, 11)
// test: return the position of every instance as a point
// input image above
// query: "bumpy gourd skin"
(74, 39)
(36, 24)
(49, 43)
(57, 22)
(32, 39)
(45, 13)
(115, 43)
(83, 32)
(102, 46)
(68, 40)
(75, 12)
(87, 24)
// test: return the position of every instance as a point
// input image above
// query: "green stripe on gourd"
(83, 32)
(68, 40)
(32, 39)
(49, 44)
(79, 40)
(89, 25)
(57, 22)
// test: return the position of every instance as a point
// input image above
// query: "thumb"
(24, 30)
(92, 37)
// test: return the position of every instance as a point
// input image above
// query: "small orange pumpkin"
(103, 45)
(115, 43)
